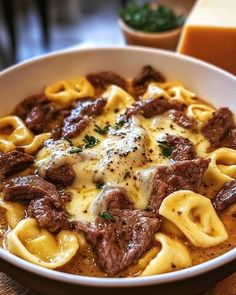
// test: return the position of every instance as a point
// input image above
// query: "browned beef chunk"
(121, 236)
(30, 187)
(125, 240)
(182, 175)
(81, 115)
(147, 75)
(14, 162)
(226, 196)
(24, 108)
(151, 107)
(46, 205)
(219, 126)
(230, 140)
(63, 175)
(41, 115)
(148, 108)
(181, 148)
(102, 79)
(47, 215)
(38, 116)
(182, 120)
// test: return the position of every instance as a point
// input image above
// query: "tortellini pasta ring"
(172, 256)
(154, 90)
(195, 216)
(14, 212)
(117, 98)
(20, 135)
(200, 112)
(36, 143)
(181, 94)
(222, 168)
(65, 92)
(34, 244)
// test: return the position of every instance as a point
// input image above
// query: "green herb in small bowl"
(148, 18)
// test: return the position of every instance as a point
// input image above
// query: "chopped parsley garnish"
(149, 18)
(75, 150)
(107, 216)
(100, 185)
(121, 122)
(90, 141)
(100, 130)
(166, 151)
(68, 140)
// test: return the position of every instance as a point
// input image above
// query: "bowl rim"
(119, 282)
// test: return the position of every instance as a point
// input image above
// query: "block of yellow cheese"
(210, 33)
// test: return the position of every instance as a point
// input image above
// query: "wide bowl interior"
(209, 82)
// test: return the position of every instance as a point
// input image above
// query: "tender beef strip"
(182, 120)
(148, 108)
(121, 241)
(151, 107)
(24, 108)
(219, 126)
(30, 187)
(117, 199)
(226, 196)
(181, 148)
(38, 117)
(63, 175)
(125, 240)
(182, 175)
(81, 116)
(147, 75)
(14, 162)
(102, 79)
(41, 115)
(230, 140)
(46, 204)
(47, 215)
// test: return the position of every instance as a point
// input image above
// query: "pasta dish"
(111, 177)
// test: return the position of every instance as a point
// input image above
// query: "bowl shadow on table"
(201, 283)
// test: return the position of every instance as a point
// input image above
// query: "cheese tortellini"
(65, 92)
(200, 112)
(117, 98)
(222, 167)
(195, 216)
(14, 212)
(20, 136)
(172, 256)
(34, 244)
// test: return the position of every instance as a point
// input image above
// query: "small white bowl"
(209, 82)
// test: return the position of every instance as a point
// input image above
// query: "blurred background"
(32, 27)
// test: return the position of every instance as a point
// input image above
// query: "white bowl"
(209, 82)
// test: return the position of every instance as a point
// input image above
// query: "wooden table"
(9, 286)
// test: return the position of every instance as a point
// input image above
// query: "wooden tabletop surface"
(9, 286)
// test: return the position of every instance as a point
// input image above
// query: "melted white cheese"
(125, 158)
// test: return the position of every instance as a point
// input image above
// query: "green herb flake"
(90, 141)
(166, 151)
(120, 123)
(107, 216)
(68, 140)
(75, 150)
(100, 130)
(100, 185)
(149, 18)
